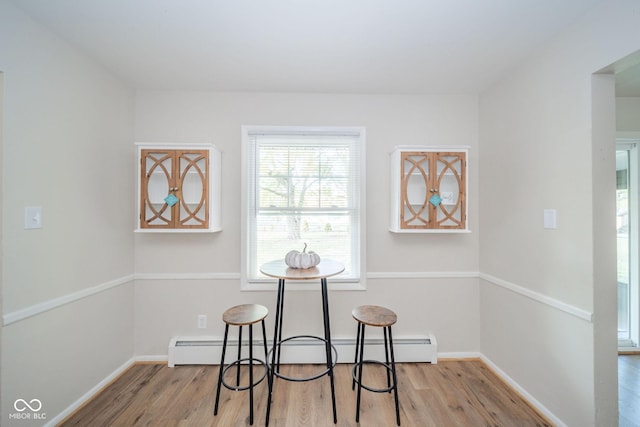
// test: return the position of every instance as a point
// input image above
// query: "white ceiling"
(351, 46)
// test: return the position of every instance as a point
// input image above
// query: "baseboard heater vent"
(207, 350)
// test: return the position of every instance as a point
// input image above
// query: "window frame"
(359, 263)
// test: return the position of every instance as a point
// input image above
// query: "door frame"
(632, 144)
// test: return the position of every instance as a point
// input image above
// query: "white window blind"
(303, 186)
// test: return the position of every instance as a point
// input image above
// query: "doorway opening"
(627, 235)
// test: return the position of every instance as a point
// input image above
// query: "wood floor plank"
(450, 393)
(423, 406)
(629, 390)
(107, 406)
(453, 396)
(156, 397)
(190, 399)
(497, 401)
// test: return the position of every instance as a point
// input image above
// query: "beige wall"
(628, 115)
(447, 307)
(548, 131)
(67, 306)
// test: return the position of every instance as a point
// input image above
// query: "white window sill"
(302, 285)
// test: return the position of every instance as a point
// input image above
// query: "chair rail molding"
(24, 313)
(34, 310)
(541, 298)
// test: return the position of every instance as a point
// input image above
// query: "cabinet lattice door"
(433, 190)
(174, 191)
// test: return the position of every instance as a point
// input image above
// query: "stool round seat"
(245, 314)
(240, 316)
(374, 315)
(381, 317)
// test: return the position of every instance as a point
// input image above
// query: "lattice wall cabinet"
(179, 188)
(428, 189)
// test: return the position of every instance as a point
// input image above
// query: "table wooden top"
(280, 270)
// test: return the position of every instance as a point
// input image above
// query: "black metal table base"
(277, 372)
(274, 367)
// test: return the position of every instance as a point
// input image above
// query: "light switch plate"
(202, 321)
(32, 217)
(550, 219)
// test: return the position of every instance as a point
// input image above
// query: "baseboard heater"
(206, 350)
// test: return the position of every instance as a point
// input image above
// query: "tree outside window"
(303, 188)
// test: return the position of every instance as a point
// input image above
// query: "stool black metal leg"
(327, 337)
(239, 356)
(360, 365)
(395, 377)
(224, 348)
(386, 355)
(355, 357)
(250, 374)
(264, 341)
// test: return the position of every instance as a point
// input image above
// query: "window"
(303, 186)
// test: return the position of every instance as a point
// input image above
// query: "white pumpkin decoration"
(304, 259)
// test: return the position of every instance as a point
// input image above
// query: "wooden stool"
(373, 315)
(243, 315)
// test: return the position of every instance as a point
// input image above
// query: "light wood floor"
(629, 390)
(450, 393)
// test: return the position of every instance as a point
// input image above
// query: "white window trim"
(270, 284)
